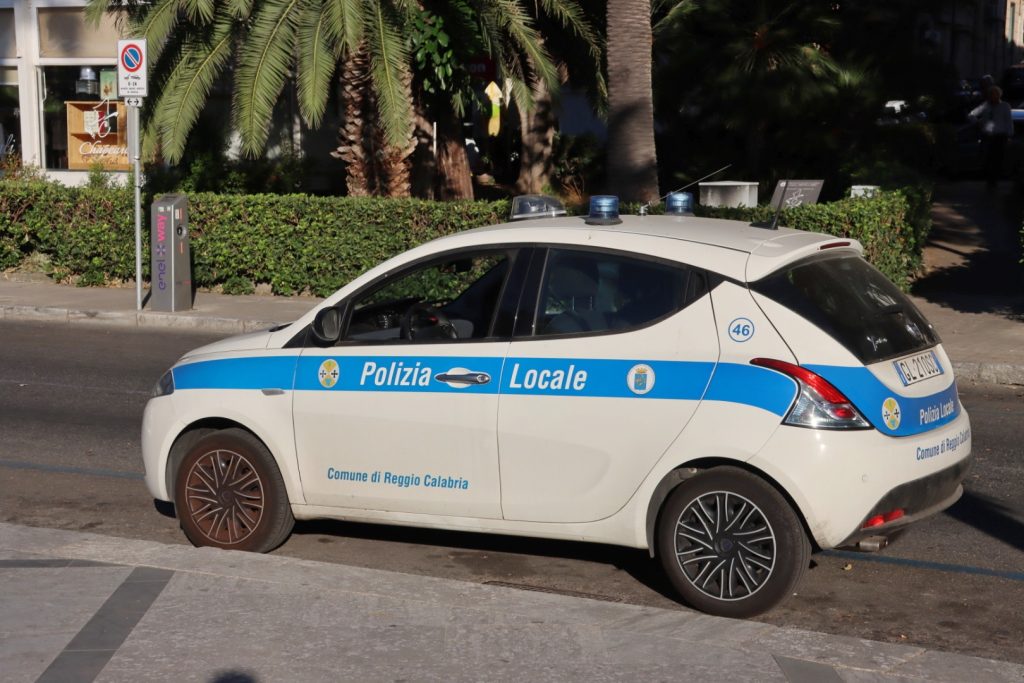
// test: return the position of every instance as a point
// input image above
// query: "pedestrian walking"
(995, 122)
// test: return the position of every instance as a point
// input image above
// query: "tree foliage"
(258, 45)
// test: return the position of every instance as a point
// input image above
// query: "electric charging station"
(171, 276)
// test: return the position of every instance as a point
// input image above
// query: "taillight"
(819, 404)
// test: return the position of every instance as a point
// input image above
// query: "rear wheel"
(229, 493)
(731, 544)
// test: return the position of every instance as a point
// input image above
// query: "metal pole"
(133, 131)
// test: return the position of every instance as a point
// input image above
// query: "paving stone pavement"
(83, 607)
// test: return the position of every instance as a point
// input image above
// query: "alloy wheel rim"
(725, 546)
(225, 496)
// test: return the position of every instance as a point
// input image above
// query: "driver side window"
(444, 300)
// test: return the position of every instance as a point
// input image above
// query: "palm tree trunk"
(352, 137)
(632, 160)
(537, 128)
(396, 162)
(455, 179)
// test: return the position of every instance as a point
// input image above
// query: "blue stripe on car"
(604, 378)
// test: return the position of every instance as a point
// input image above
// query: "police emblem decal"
(891, 413)
(328, 373)
(640, 379)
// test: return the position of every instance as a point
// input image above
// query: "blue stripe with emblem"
(590, 377)
(870, 396)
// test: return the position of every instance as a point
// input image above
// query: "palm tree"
(632, 159)
(264, 43)
(762, 70)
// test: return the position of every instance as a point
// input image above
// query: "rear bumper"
(839, 480)
(918, 499)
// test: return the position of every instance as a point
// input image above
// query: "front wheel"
(730, 544)
(228, 493)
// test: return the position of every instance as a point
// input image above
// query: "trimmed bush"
(298, 243)
(893, 237)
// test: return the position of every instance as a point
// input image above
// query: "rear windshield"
(854, 303)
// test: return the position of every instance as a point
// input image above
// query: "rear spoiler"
(782, 250)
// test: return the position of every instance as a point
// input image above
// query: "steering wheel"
(437, 321)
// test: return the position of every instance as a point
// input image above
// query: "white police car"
(726, 395)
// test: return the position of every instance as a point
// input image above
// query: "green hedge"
(299, 243)
(891, 226)
(295, 243)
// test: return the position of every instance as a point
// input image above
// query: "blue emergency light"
(679, 204)
(604, 210)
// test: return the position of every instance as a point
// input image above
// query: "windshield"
(854, 303)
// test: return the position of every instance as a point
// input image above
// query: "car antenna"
(645, 207)
(778, 210)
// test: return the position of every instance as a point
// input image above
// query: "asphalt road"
(71, 401)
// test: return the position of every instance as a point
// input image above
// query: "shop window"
(83, 125)
(10, 112)
(64, 33)
(8, 49)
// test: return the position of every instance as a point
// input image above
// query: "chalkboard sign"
(797, 192)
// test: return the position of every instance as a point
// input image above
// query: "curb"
(137, 319)
(990, 373)
(985, 373)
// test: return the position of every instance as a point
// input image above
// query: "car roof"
(755, 251)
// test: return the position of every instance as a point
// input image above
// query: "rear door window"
(586, 292)
(854, 303)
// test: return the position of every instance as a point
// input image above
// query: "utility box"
(730, 193)
(171, 288)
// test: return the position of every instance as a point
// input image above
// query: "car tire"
(228, 493)
(730, 543)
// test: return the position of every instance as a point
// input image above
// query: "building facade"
(58, 89)
(978, 37)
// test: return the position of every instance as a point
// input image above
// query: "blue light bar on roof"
(679, 204)
(604, 210)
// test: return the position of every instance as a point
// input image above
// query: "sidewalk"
(973, 292)
(82, 607)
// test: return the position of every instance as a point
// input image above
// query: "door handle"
(467, 378)
(272, 392)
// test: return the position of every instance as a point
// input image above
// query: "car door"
(401, 414)
(602, 375)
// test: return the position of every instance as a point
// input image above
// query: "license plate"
(918, 368)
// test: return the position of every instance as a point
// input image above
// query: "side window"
(585, 291)
(444, 300)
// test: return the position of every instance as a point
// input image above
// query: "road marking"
(924, 564)
(89, 651)
(20, 465)
(804, 671)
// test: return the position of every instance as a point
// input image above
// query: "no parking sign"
(132, 68)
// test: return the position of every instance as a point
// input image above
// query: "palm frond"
(263, 64)
(240, 9)
(509, 15)
(94, 11)
(346, 25)
(389, 71)
(199, 11)
(316, 62)
(676, 15)
(184, 96)
(569, 14)
(158, 23)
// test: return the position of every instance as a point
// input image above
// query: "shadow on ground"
(976, 242)
(637, 563)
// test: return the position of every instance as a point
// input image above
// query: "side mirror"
(326, 327)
